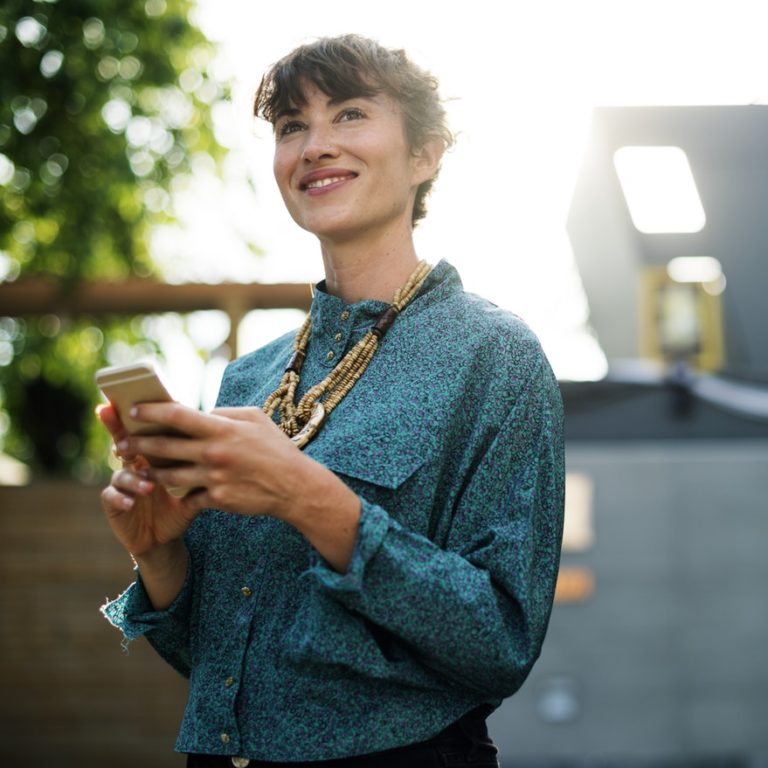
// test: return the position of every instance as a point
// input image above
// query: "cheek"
(277, 170)
(394, 156)
(282, 167)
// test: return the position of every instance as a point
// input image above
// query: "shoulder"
(464, 330)
(481, 321)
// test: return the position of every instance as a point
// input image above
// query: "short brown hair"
(351, 66)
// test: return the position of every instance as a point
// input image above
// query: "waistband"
(465, 740)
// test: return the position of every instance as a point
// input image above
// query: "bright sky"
(522, 77)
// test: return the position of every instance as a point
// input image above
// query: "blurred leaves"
(102, 106)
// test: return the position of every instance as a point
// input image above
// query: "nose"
(318, 144)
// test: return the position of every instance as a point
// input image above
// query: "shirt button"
(345, 315)
(329, 356)
(229, 682)
(338, 337)
(246, 591)
(225, 738)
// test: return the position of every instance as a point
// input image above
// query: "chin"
(342, 228)
(333, 229)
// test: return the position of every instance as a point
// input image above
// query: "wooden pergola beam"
(138, 297)
(135, 296)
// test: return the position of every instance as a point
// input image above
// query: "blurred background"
(609, 185)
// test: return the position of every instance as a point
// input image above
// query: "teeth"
(325, 182)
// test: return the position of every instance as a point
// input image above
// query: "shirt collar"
(329, 311)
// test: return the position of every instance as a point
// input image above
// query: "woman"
(366, 566)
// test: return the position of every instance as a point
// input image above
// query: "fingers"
(109, 417)
(125, 486)
(187, 430)
(178, 418)
(252, 415)
(173, 449)
(186, 477)
(112, 500)
(127, 456)
(241, 414)
(128, 481)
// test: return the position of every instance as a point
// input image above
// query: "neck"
(354, 272)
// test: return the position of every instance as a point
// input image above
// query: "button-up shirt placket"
(233, 659)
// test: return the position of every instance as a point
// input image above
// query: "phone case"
(125, 385)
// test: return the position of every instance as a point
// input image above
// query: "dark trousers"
(465, 743)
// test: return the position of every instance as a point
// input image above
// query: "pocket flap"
(376, 462)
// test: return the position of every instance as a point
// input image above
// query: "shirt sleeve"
(475, 611)
(167, 631)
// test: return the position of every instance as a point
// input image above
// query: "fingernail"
(144, 485)
(134, 412)
(127, 502)
(122, 445)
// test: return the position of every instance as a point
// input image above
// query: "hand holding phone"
(126, 385)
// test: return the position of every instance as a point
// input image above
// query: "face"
(345, 169)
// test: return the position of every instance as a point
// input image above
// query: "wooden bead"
(384, 323)
(296, 361)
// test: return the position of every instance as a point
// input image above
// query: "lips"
(325, 178)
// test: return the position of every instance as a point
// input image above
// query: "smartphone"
(126, 385)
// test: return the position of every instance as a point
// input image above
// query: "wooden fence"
(71, 696)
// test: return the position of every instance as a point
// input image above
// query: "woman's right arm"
(147, 521)
(163, 573)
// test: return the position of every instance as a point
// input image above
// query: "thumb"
(250, 413)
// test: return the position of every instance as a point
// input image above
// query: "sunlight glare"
(521, 80)
(660, 190)
(695, 269)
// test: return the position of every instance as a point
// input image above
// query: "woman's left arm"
(476, 610)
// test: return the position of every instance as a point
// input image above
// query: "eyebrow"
(287, 112)
(333, 101)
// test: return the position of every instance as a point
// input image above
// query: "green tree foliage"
(102, 105)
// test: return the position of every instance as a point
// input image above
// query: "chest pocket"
(375, 457)
(377, 475)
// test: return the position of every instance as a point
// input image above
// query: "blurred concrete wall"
(668, 659)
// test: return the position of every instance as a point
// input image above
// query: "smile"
(323, 181)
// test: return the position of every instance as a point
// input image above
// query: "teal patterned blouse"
(453, 441)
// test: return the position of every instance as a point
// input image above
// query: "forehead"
(310, 95)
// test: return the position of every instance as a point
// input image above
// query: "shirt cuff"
(372, 528)
(132, 612)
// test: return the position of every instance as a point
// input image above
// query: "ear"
(426, 159)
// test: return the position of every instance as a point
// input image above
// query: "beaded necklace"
(302, 422)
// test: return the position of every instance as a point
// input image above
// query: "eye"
(353, 113)
(288, 127)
